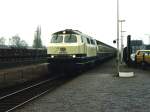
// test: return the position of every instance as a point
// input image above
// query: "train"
(74, 48)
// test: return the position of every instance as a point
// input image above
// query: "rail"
(18, 98)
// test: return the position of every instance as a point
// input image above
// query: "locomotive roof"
(68, 31)
(71, 31)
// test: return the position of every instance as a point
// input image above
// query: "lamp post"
(117, 38)
(120, 74)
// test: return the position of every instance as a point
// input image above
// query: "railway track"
(20, 97)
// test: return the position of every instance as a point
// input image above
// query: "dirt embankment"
(17, 75)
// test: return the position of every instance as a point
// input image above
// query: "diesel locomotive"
(72, 47)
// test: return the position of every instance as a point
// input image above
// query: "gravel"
(97, 91)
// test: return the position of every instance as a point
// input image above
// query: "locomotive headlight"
(52, 56)
(73, 56)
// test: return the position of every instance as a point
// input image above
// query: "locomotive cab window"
(57, 39)
(70, 39)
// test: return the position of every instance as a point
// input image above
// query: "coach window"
(88, 40)
(70, 39)
(57, 39)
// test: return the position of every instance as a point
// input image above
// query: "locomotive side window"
(92, 42)
(57, 39)
(82, 39)
(88, 40)
(70, 39)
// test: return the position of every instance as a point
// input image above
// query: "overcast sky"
(96, 18)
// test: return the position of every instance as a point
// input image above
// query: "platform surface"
(97, 91)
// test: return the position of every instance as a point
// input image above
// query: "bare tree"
(15, 41)
(2, 41)
(23, 44)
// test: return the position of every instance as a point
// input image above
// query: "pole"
(118, 37)
(121, 60)
(121, 42)
(149, 40)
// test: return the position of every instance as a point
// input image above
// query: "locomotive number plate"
(62, 49)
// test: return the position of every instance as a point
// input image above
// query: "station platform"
(98, 90)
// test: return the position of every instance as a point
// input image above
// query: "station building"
(138, 45)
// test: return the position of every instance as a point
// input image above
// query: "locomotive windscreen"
(67, 38)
